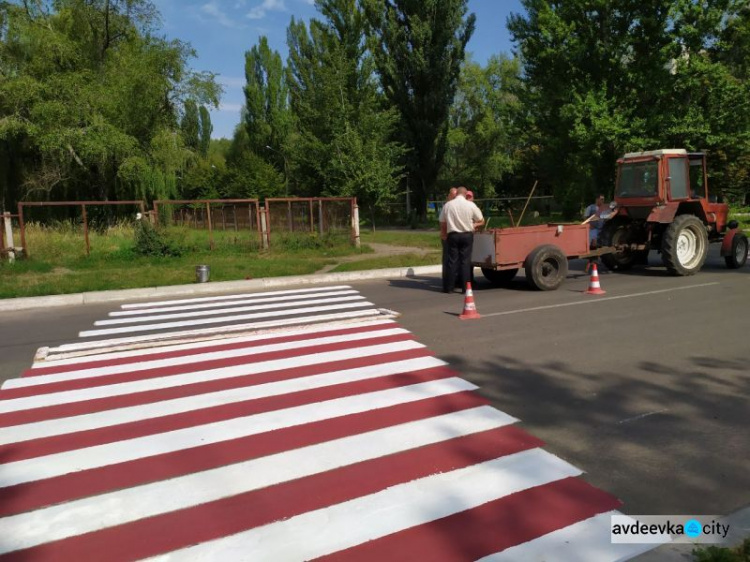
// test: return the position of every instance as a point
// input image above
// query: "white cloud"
(234, 107)
(213, 10)
(259, 12)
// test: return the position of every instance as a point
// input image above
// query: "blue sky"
(222, 30)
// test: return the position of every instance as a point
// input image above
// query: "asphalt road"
(645, 388)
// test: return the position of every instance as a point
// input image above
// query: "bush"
(151, 242)
(740, 553)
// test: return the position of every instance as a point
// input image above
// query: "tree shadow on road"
(664, 440)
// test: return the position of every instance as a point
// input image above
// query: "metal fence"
(227, 221)
(84, 205)
(239, 216)
(319, 215)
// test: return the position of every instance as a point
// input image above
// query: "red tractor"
(662, 203)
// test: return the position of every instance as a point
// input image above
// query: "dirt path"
(381, 250)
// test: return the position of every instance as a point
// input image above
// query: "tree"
(419, 47)
(190, 125)
(266, 115)
(483, 139)
(206, 129)
(343, 142)
(604, 78)
(89, 98)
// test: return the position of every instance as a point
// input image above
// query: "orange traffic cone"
(470, 309)
(594, 287)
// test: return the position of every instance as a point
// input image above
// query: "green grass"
(58, 263)
(740, 553)
(403, 260)
(418, 239)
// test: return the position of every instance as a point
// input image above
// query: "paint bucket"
(202, 273)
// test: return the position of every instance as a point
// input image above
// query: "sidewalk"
(26, 303)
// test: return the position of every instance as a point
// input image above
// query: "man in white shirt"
(458, 220)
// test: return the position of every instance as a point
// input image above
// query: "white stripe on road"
(230, 297)
(170, 381)
(225, 319)
(357, 521)
(198, 345)
(585, 541)
(157, 310)
(109, 418)
(115, 508)
(595, 300)
(302, 321)
(217, 311)
(197, 357)
(106, 454)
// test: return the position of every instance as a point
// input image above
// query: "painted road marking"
(311, 431)
(598, 300)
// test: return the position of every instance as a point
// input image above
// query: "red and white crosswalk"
(286, 425)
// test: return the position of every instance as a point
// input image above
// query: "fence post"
(320, 216)
(289, 215)
(9, 237)
(263, 230)
(86, 231)
(312, 217)
(210, 228)
(22, 227)
(355, 224)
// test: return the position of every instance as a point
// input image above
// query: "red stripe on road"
(51, 370)
(131, 376)
(151, 396)
(80, 440)
(489, 528)
(35, 495)
(217, 519)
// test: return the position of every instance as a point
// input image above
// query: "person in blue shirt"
(595, 224)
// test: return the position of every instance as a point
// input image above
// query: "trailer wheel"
(546, 267)
(684, 246)
(738, 257)
(499, 277)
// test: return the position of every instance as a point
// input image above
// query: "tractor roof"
(656, 153)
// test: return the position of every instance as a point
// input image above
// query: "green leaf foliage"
(89, 101)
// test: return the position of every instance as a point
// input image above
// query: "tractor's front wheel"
(684, 247)
(738, 257)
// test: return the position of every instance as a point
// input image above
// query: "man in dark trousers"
(458, 220)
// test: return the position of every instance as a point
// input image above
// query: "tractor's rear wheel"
(738, 257)
(684, 245)
(546, 267)
(620, 233)
(499, 277)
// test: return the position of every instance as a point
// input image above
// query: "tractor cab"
(658, 185)
(662, 203)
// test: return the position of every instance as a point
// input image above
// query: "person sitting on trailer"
(458, 221)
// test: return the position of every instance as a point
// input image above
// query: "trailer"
(543, 251)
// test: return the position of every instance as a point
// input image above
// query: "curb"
(98, 297)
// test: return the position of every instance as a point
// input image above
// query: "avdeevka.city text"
(714, 528)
